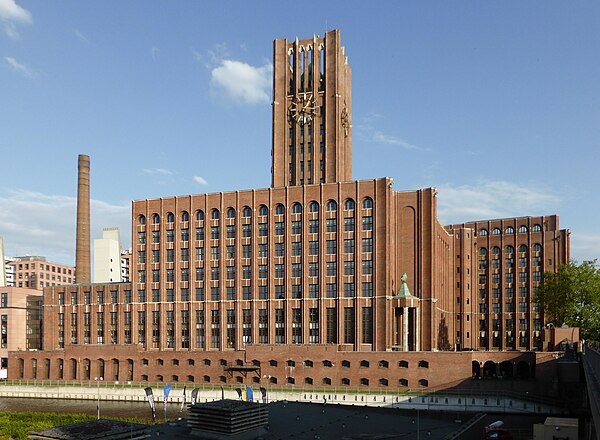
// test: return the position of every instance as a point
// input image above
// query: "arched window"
(327, 364)
(326, 381)
(537, 247)
(403, 382)
(246, 212)
(536, 228)
(403, 364)
(523, 229)
(206, 378)
(308, 364)
(308, 381)
(496, 250)
(296, 208)
(510, 230)
(273, 380)
(263, 210)
(291, 380)
(482, 252)
(510, 250)
(142, 220)
(159, 378)
(345, 364)
(523, 248)
(155, 219)
(200, 215)
(383, 382)
(190, 378)
(423, 364)
(368, 203)
(364, 364)
(272, 363)
(207, 362)
(345, 381)
(174, 378)
(215, 214)
(496, 231)
(185, 217)
(279, 209)
(313, 207)
(384, 364)
(231, 213)
(331, 206)
(291, 363)
(423, 383)
(483, 233)
(170, 217)
(349, 205)
(364, 381)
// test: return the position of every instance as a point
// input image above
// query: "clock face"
(302, 109)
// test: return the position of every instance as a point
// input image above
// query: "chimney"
(82, 245)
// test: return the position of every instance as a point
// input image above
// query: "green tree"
(571, 296)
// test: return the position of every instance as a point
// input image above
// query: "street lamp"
(98, 379)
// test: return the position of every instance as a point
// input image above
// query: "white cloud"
(40, 224)
(493, 199)
(81, 37)
(242, 83)
(161, 171)
(585, 247)
(380, 138)
(12, 14)
(20, 68)
(200, 180)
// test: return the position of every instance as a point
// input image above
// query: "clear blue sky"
(497, 104)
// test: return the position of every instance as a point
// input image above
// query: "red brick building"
(302, 283)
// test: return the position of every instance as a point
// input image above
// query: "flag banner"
(194, 396)
(167, 390)
(183, 401)
(150, 398)
(249, 394)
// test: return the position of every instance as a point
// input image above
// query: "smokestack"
(82, 245)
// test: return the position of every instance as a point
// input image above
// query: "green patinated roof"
(403, 291)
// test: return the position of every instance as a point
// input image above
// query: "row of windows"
(263, 210)
(510, 249)
(48, 268)
(510, 230)
(263, 230)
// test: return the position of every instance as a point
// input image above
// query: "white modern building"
(107, 257)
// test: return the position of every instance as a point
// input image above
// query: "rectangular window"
(349, 325)
(185, 235)
(349, 246)
(185, 254)
(331, 290)
(280, 291)
(313, 248)
(200, 335)
(199, 254)
(296, 270)
(185, 274)
(263, 292)
(367, 325)
(296, 227)
(331, 268)
(313, 269)
(199, 274)
(215, 331)
(367, 245)
(279, 229)
(247, 230)
(263, 250)
(331, 330)
(313, 226)
(331, 225)
(231, 293)
(155, 236)
(367, 289)
(156, 256)
(313, 326)
(349, 268)
(279, 271)
(296, 291)
(263, 229)
(367, 223)
(263, 271)
(296, 326)
(247, 292)
(215, 294)
(230, 231)
(313, 290)
(279, 249)
(230, 252)
(141, 296)
(263, 326)
(215, 232)
(231, 272)
(279, 326)
(348, 290)
(246, 272)
(200, 234)
(296, 249)
(349, 224)
(199, 293)
(331, 247)
(215, 253)
(246, 251)
(155, 295)
(247, 326)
